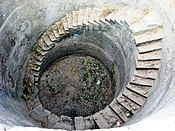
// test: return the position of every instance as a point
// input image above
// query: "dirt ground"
(76, 86)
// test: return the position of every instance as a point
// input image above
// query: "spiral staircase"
(132, 38)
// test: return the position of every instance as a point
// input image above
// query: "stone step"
(110, 117)
(47, 40)
(36, 73)
(65, 23)
(67, 119)
(95, 13)
(100, 121)
(79, 123)
(153, 19)
(119, 13)
(35, 62)
(111, 15)
(142, 81)
(36, 67)
(69, 18)
(105, 13)
(75, 18)
(137, 15)
(42, 44)
(40, 51)
(38, 114)
(140, 100)
(128, 104)
(150, 21)
(150, 35)
(155, 64)
(64, 126)
(47, 48)
(123, 15)
(81, 16)
(142, 90)
(39, 58)
(61, 28)
(51, 35)
(118, 109)
(100, 14)
(143, 26)
(150, 46)
(87, 16)
(52, 120)
(36, 80)
(154, 55)
(146, 73)
(89, 122)
(55, 31)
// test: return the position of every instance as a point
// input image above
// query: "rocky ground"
(77, 85)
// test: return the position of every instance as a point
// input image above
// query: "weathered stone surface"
(61, 125)
(75, 18)
(94, 14)
(86, 16)
(65, 23)
(89, 122)
(155, 64)
(69, 18)
(142, 81)
(81, 16)
(101, 122)
(128, 104)
(140, 100)
(41, 16)
(47, 40)
(142, 90)
(51, 35)
(52, 120)
(119, 110)
(55, 31)
(110, 117)
(148, 34)
(79, 123)
(154, 55)
(149, 46)
(118, 13)
(146, 73)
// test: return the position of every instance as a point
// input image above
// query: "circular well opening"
(76, 85)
